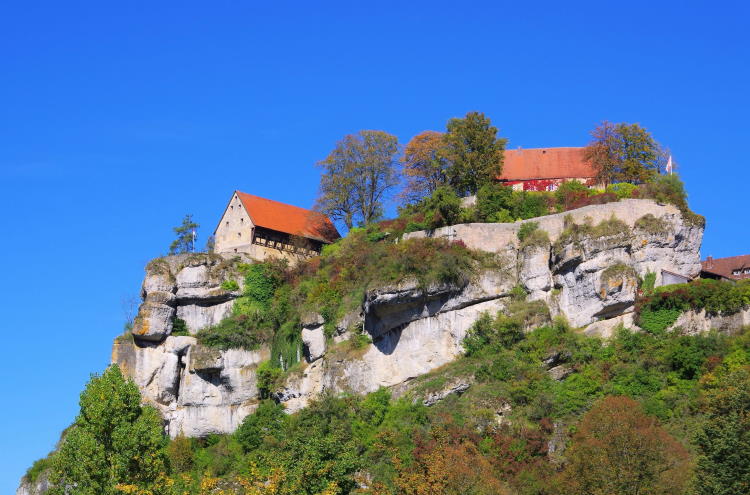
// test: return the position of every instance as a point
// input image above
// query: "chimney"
(710, 262)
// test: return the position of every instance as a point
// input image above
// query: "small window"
(736, 272)
(231, 207)
(242, 220)
(227, 223)
(235, 250)
(239, 234)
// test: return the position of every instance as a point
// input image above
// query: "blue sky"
(118, 120)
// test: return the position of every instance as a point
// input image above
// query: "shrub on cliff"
(660, 308)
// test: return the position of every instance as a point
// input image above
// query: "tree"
(724, 440)
(357, 177)
(426, 165)
(185, 241)
(448, 462)
(267, 421)
(475, 152)
(624, 153)
(113, 441)
(619, 449)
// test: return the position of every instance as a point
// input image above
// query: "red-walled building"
(544, 169)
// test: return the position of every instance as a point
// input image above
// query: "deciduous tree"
(475, 152)
(425, 164)
(114, 441)
(619, 449)
(724, 441)
(624, 153)
(357, 177)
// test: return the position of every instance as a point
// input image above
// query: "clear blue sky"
(116, 121)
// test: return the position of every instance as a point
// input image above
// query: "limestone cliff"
(584, 264)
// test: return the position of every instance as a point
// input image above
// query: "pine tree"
(185, 241)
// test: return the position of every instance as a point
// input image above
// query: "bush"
(492, 199)
(657, 321)
(230, 285)
(716, 297)
(622, 190)
(267, 422)
(570, 192)
(266, 375)
(652, 225)
(179, 327)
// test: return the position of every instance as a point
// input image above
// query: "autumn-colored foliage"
(426, 163)
(618, 449)
(447, 461)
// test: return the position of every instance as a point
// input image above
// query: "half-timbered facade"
(263, 228)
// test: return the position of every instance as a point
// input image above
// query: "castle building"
(544, 169)
(263, 228)
(733, 268)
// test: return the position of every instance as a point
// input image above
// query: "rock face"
(198, 390)
(574, 273)
(586, 272)
(186, 286)
(697, 322)
(38, 487)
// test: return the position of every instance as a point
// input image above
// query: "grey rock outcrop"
(186, 286)
(571, 275)
(40, 486)
(590, 279)
(697, 322)
(198, 390)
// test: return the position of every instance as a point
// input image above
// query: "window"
(242, 220)
(239, 235)
(736, 272)
(227, 223)
(231, 207)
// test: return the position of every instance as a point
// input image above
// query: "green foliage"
(671, 190)
(531, 235)
(570, 192)
(661, 308)
(441, 208)
(36, 469)
(180, 454)
(623, 190)
(357, 177)
(114, 440)
(185, 242)
(179, 327)
(575, 233)
(475, 152)
(267, 376)
(657, 321)
(493, 198)
(652, 225)
(265, 425)
(648, 282)
(230, 285)
(724, 439)
(503, 331)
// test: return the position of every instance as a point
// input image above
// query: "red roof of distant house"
(725, 267)
(289, 219)
(545, 163)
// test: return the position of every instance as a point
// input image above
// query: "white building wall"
(235, 231)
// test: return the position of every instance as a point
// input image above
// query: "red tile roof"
(545, 163)
(289, 219)
(724, 267)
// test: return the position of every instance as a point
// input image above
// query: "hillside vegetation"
(547, 411)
